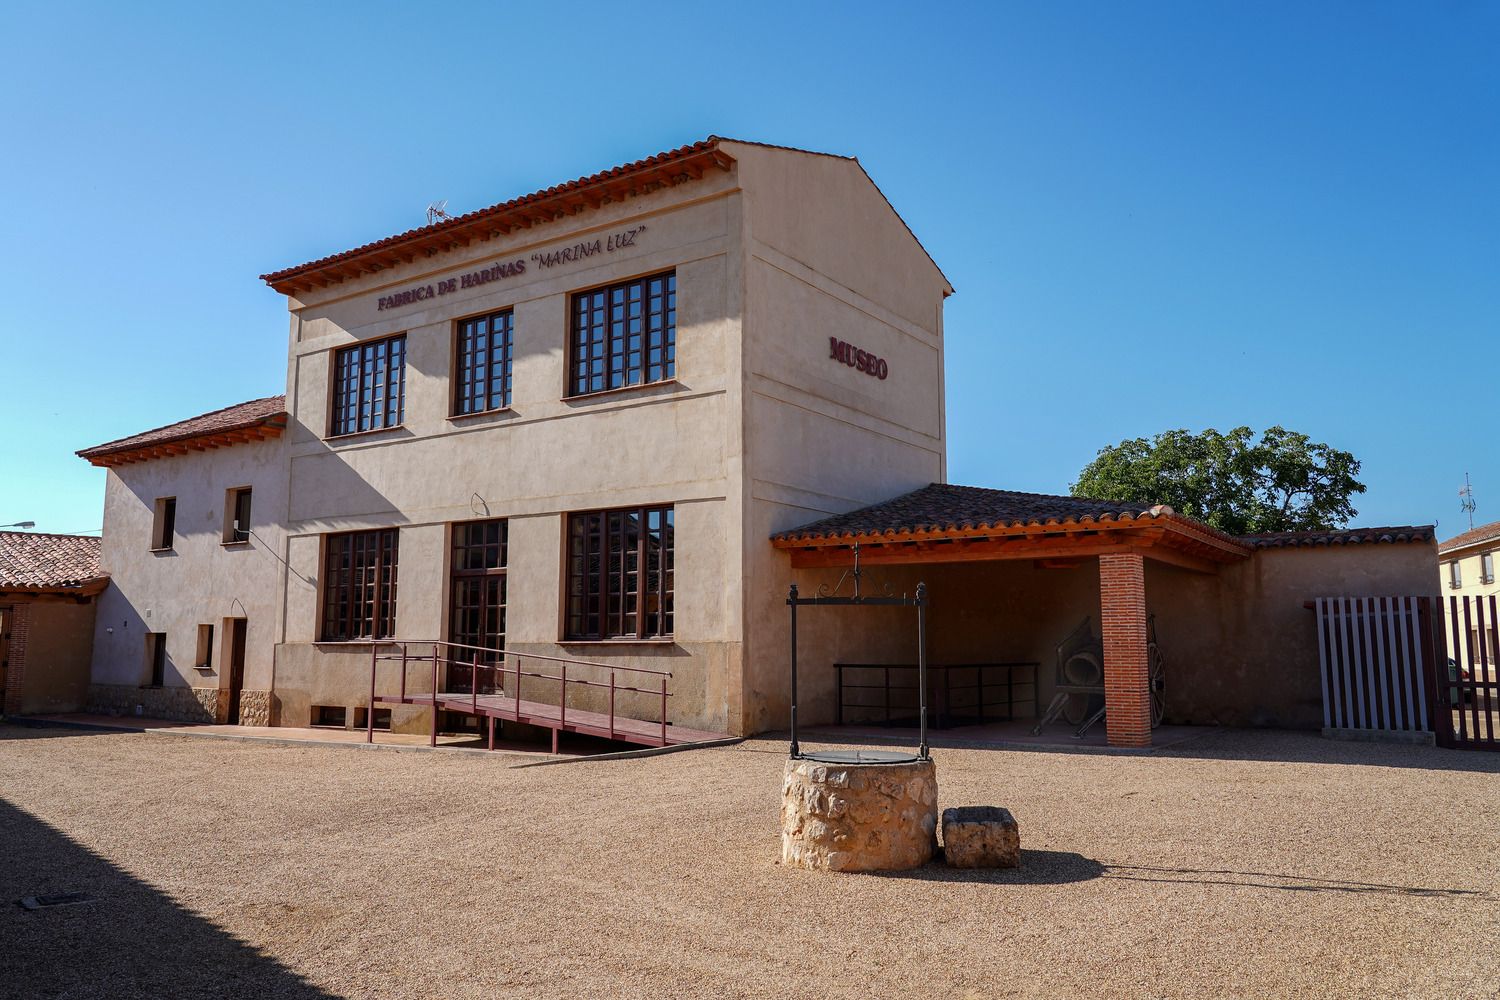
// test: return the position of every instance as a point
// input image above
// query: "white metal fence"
(1374, 662)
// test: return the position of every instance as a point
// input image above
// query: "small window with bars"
(369, 386)
(483, 363)
(624, 334)
(620, 575)
(359, 585)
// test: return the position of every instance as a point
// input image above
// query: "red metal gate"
(1468, 695)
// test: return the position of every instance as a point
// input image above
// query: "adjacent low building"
(49, 588)
(1468, 571)
(606, 425)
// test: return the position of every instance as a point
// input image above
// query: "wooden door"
(236, 667)
(5, 614)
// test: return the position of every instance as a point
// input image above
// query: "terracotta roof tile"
(230, 418)
(467, 221)
(31, 560)
(1341, 536)
(944, 507)
(1473, 536)
(558, 197)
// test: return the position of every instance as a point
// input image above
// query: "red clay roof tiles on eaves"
(37, 561)
(1483, 533)
(539, 206)
(268, 412)
(546, 202)
(1340, 536)
(940, 507)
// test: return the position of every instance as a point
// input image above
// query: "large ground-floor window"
(359, 585)
(620, 574)
(476, 623)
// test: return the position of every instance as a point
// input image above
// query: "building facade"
(1467, 570)
(606, 426)
(49, 590)
(192, 545)
(565, 425)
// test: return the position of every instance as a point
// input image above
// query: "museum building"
(581, 442)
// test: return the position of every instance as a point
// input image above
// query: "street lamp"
(20, 524)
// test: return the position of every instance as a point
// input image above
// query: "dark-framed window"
(477, 617)
(624, 334)
(620, 573)
(164, 523)
(359, 585)
(482, 357)
(237, 514)
(369, 386)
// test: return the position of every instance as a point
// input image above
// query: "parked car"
(1456, 672)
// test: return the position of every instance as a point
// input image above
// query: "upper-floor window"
(624, 334)
(237, 515)
(1487, 568)
(359, 585)
(1455, 575)
(164, 523)
(369, 386)
(482, 363)
(620, 573)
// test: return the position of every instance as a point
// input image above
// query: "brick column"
(15, 674)
(1127, 688)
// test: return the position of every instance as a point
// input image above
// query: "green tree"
(1283, 482)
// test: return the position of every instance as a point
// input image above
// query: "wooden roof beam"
(989, 550)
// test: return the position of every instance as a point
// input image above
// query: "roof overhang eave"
(499, 220)
(84, 588)
(262, 429)
(1168, 538)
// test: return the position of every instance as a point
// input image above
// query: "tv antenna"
(438, 212)
(1466, 500)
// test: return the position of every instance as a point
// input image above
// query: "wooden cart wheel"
(1158, 682)
(1083, 669)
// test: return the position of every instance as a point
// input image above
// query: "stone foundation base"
(859, 817)
(981, 837)
(177, 704)
(255, 708)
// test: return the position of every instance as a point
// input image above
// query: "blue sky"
(1156, 215)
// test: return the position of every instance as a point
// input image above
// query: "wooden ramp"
(573, 720)
(500, 670)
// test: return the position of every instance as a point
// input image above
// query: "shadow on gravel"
(19, 729)
(1271, 880)
(1037, 868)
(1063, 867)
(1296, 747)
(126, 939)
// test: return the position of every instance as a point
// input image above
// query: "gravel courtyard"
(1268, 864)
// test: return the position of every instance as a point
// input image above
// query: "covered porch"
(1012, 577)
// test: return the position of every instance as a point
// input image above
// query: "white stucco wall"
(199, 580)
(759, 430)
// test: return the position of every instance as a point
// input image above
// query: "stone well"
(858, 817)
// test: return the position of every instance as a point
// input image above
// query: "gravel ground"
(1267, 864)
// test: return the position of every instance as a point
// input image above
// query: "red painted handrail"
(444, 654)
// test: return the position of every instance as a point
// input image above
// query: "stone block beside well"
(981, 837)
